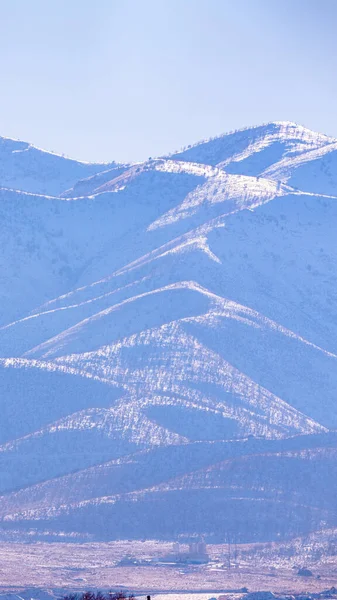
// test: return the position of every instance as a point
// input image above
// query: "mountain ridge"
(184, 300)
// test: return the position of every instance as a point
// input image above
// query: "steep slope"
(252, 150)
(24, 167)
(154, 291)
(152, 467)
(51, 245)
(90, 185)
(248, 491)
(281, 151)
(154, 317)
(254, 344)
(313, 171)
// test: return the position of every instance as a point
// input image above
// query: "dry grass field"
(95, 565)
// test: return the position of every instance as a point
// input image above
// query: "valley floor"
(82, 566)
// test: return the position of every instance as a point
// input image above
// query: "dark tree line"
(98, 596)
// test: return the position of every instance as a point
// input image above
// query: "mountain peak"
(168, 340)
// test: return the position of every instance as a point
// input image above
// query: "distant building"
(196, 554)
(197, 551)
(202, 549)
(193, 548)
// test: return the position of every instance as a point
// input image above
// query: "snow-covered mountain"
(168, 339)
(27, 168)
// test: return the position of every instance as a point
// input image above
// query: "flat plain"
(59, 566)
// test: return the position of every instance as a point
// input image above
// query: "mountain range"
(168, 340)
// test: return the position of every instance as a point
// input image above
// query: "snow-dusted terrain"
(155, 319)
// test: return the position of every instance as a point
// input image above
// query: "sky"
(103, 80)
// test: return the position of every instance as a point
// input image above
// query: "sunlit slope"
(168, 340)
(30, 169)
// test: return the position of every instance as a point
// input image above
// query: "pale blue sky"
(126, 79)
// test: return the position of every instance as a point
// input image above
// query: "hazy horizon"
(167, 153)
(124, 81)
